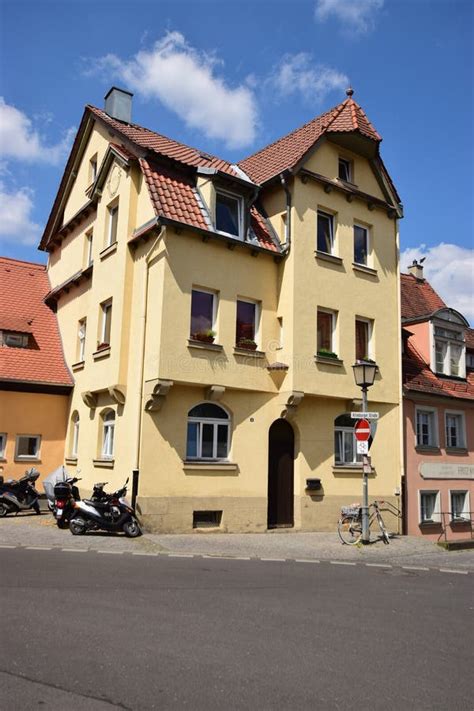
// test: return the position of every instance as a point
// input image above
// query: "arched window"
(74, 433)
(208, 432)
(108, 434)
(345, 441)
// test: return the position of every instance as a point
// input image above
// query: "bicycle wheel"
(350, 529)
(385, 536)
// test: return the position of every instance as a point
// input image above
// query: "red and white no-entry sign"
(362, 430)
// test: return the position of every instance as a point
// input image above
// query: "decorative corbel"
(155, 399)
(117, 393)
(292, 403)
(214, 393)
(90, 399)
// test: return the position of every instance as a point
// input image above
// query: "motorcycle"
(106, 512)
(65, 494)
(19, 495)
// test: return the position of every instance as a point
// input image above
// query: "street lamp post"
(364, 375)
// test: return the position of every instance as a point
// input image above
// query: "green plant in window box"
(325, 353)
(204, 336)
(247, 343)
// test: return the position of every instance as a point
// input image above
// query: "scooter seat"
(96, 504)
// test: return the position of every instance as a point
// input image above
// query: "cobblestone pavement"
(29, 530)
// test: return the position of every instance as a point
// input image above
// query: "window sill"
(111, 249)
(27, 459)
(336, 362)
(70, 460)
(103, 353)
(326, 257)
(196, 465)
(364, 269)
(78, 366)
(457, 450)
(460, 522)
(248, 352)
(202, 345)
(350, 469)
(430, 524)
(427, 448)
(104, 463)
(2, 459)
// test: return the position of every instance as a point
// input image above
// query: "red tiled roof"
(286, 152)
(23, 286)
(417, 376)
(418, 298)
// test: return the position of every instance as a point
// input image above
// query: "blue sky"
(229, 77)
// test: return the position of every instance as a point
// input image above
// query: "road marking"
(143, 553)
(4, 545)
(111, 552)
(75, 550)
(306, 560)
(341, 562)
(458, 572)
(180, 555)
(414, 567)
(274, 560)
(378, 565)
(242, 557)
(38, 548)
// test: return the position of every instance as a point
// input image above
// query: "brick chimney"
(416, 269)
(118, 104)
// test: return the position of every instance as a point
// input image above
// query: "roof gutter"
(287, 244)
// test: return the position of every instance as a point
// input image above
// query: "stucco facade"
(151, 372)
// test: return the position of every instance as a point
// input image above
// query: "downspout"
(287, 244)
(143, 319)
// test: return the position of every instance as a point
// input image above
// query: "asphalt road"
(91, 631)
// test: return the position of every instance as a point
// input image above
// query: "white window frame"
(108, 435)
(75, 434)
(350, 169)
(356, 458)
(332, 218)
(209, 421)
(89, 246)
(104, 308)
(437, 509)
(368, 233)
(3, 444)
(93, 167)
(448, 342)
(435, 425)
(28, 457)
(333, 314)
(462, 429)
(215, 297)
(240, 213)
(81, 337)
(111, 209)
(465, 514)
(370, 335)
(258, 310)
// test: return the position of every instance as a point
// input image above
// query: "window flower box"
(247, 344)
(324, 353)
(204, 336)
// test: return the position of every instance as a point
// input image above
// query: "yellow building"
(211, 314)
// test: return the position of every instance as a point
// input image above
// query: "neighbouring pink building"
(438, 406)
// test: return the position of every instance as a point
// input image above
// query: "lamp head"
(364, 373)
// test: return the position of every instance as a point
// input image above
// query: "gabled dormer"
(448, 343)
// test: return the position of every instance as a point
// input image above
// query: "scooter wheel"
(3, 510)
(77, 526)
(131, 528)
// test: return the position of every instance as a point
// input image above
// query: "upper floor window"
(246, 331)
(93, 168)
(208, 432)
(203, 315)
(325, 237)
(361, 245)
(81, 339)
(363, 339)
(229, 214)
(113, 211)
(14, 340)
(345, 170)
(455, 427)
(426, 428)
(74, 434)
(27, 446)
(470, 361)
(89, 244)
(105, 324)
(448, 344)
(345, 449)
(326, 332)
(108, 435)
(3, 444)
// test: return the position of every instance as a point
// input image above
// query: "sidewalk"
(41, 531)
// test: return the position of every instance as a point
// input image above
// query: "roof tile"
(418, 298)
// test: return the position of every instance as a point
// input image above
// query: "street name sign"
(364, 415)
(362, 431)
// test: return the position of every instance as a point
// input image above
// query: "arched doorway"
(281, 447)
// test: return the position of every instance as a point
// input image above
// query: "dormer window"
(229, 210)
(12, 339)
(449, 350)
(345, 170)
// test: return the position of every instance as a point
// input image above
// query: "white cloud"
(16, 224)
(450, 271)
(186, 82)
(355, 15)
(21, 141)
(296, 73)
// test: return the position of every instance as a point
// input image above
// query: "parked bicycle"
(349, 525)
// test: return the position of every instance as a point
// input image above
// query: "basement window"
(207, 519)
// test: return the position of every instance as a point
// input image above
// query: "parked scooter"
(65, 494)
(111, 512)
(19, 495)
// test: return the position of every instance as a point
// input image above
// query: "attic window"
(13, 339)
(229, 214)
(345, 170)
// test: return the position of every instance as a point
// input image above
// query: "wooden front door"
(281, 447)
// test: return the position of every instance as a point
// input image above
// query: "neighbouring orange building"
(35, 382)
(438, 407)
